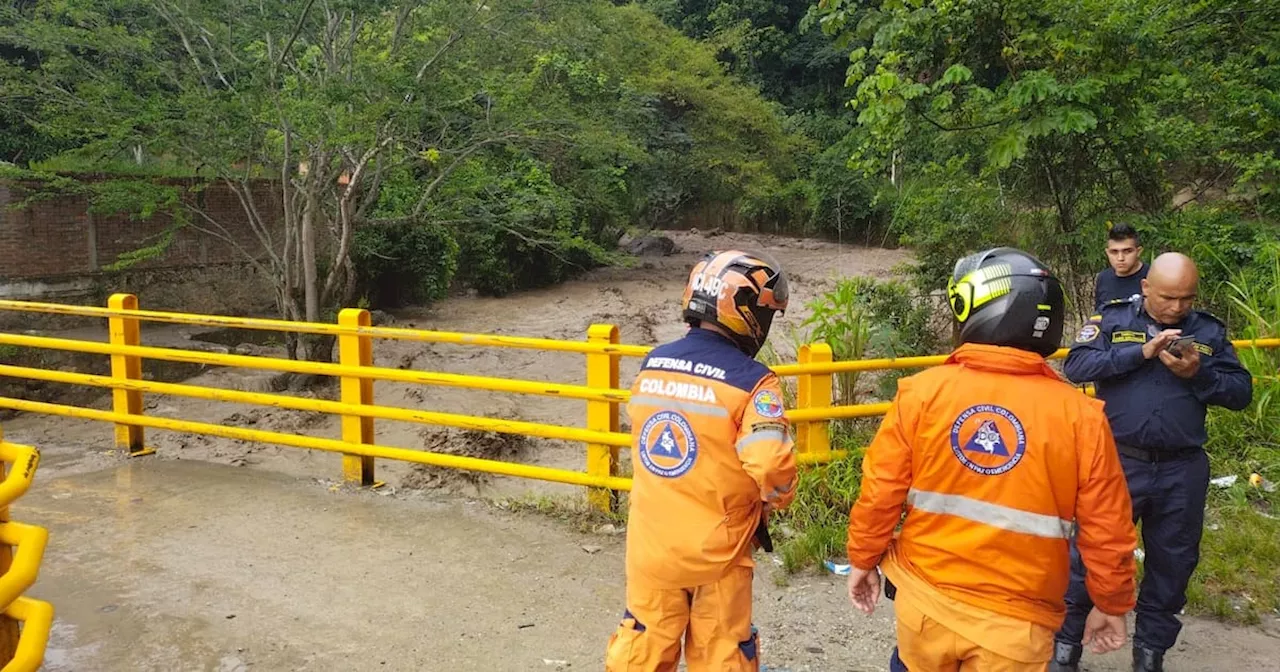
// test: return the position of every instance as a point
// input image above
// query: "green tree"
(1070, 113)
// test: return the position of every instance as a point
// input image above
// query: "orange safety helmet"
(738, 292)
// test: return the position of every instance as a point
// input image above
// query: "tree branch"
(435, 184)
(160, 7)
(297, 29)
(952, 129)
(244, 193)
(341, 257)
(224, 235)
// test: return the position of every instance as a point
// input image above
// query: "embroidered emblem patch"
(988, 439)
(668, 446)
(767, 404)
(1128, 337)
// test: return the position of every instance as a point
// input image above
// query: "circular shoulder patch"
(668, 446)
(767, 404)
(988, 439)
(1087, 333)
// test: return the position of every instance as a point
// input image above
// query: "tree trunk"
(310, 283)
(319, 348)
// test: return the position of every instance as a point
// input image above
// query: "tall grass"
(1239, 573)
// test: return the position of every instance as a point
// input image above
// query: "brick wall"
(57, 238)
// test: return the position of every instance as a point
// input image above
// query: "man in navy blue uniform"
(1123, 279)
(1156, 400)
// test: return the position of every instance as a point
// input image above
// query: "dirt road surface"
(165, 565)
(224, 556)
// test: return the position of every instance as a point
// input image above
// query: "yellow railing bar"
(335, 408)
(37, 620)
(820, 458)
(330, 445)
(395, 333)
(391, 412)
(391, 333)
(24, 459)
(29, 541)
(320, 368)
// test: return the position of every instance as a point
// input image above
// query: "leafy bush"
(518, 228)
(866, 318)
(498, 261)
(403, 263)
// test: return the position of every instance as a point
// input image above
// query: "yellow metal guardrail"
(355, 370)
(25, 622)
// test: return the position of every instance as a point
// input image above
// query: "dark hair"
(1123, 232)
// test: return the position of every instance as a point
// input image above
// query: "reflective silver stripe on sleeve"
(762, 435)
(686, 406)
(995, 515)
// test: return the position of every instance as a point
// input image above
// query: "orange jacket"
(994, 457)
(709, 447)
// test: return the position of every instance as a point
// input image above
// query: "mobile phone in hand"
(1177, 345)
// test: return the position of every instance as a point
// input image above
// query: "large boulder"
(652, 246)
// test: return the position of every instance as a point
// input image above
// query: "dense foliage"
(982, 122)
(530, 135)
(1036, 123)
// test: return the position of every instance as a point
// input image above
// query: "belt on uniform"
(1157, 455)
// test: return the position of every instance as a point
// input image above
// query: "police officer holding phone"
(1157, 364)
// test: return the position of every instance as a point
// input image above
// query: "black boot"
(1147, 660)
(1066, 657)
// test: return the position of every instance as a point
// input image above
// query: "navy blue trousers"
(1168, 497)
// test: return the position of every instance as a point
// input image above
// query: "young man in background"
(1123, 279)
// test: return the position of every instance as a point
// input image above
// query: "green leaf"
(1008, 147)
(956, 74)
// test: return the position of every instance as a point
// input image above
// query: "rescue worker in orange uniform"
(994, 458)
(711, 452)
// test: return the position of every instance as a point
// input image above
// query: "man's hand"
(1184, 367)
(864, 589)
(1104, 632)
(1157, 345)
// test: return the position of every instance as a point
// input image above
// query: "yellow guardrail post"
(813, 391)
(9, 634)
(356, 350)
(124, 330)
(602, 416)
(21, 648)
(804, 390)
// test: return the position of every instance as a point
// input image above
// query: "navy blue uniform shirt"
(1108, 286)
(1147, 405)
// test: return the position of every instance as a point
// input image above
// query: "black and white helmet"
(1004, 296)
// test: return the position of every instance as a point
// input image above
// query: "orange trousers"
(925, 644)
(714, 622)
